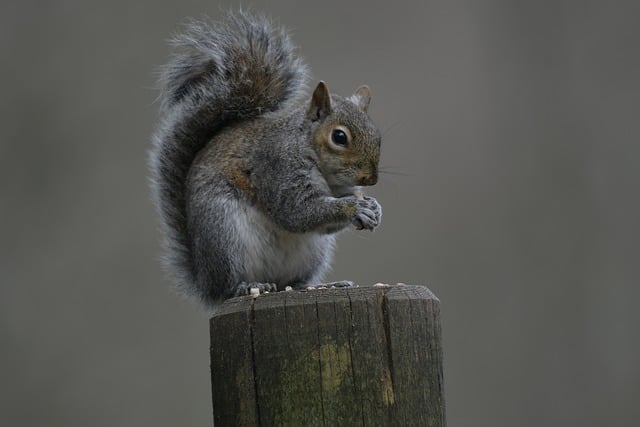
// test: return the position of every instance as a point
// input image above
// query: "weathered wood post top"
(368, 355)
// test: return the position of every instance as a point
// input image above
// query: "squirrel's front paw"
(368, 214)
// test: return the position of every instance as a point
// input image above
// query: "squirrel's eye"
(339, 137)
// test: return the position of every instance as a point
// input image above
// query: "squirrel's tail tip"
(244, 59)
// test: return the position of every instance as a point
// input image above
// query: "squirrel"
(251, 182)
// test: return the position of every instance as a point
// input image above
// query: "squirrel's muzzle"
(368, 179)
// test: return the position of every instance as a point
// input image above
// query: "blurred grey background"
(512, 131)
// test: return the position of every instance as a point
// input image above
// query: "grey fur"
(247, 184)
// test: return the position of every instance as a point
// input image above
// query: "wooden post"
(368, 355)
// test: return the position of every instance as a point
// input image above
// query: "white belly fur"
(273, 255)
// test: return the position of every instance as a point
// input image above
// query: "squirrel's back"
(220, 74)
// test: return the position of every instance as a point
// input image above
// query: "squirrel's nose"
(369, 179)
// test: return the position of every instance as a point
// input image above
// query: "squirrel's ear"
(362, 97)
(320, 102)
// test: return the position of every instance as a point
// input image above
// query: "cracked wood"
(345, 356)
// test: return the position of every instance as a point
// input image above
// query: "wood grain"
(368, 355)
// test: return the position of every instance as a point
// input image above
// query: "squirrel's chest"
(271, 254)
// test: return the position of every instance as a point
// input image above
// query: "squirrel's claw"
(245, 288)
(368, 215)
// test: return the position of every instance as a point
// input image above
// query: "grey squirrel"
(251, 183)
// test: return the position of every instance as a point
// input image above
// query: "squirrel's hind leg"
(244, 288)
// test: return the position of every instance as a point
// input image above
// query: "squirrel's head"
(345, 139)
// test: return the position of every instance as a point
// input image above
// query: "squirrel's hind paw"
(339, 284)
(245, 288)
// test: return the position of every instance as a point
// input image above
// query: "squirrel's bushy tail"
(220, 73)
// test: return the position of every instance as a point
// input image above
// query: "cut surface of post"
(368, 355)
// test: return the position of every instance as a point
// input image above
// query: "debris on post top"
(365, 355)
